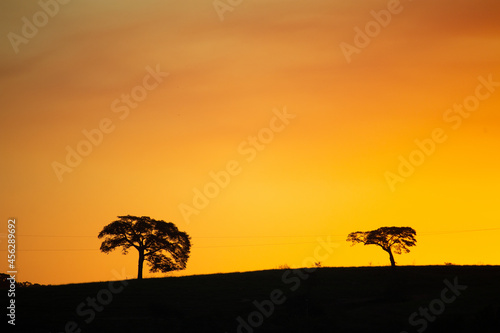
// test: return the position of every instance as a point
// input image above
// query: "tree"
(397, 239)
(160, 243)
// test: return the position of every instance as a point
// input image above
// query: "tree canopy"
(397, 239)
(159, 243)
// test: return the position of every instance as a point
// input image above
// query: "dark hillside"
(371, 299)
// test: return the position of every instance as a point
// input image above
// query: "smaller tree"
(159, 243)
(397, 239)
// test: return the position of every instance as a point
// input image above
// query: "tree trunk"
(141, 263)
(391, 257)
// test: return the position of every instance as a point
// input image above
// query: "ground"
(366, 299)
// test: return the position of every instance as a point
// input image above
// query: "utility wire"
(198, 247)
(280, 236)
(456, 231)
(239, 245)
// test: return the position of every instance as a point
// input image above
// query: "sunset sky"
(326, 166)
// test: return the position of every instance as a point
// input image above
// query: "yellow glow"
(322, 174)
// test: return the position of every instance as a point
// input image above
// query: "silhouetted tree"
(397, 239)
(5, 283)
(160, 243)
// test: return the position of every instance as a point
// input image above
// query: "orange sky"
(322, 174)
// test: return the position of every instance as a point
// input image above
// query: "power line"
(268, 236)
(63, 236)
(263, 236)
(277, 236)
(238, 245)
(198, 247)
(54, 250)
(457, 231)
(242, 245)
